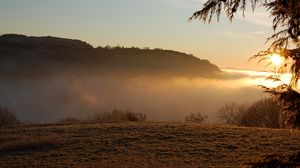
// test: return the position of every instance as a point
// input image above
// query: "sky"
(142, 23)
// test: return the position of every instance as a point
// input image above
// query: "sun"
(276, 59)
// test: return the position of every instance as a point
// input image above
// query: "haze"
(134, 23)
(160, 98)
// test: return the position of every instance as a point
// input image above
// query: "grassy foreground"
(145, 144)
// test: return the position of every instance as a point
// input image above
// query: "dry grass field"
(141, 144)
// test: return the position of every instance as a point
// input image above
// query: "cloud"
(239, 35)
(191, 4)
(258, 32)
(258, 18)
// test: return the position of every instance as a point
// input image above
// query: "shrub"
(7, 118)
(135, 116)
(118, 116)
(113, 116)
(195, 118)
(262, 113)
(231, 113)
(69, 120)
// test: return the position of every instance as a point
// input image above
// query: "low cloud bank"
(161, 99)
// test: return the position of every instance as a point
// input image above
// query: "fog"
(161, 99)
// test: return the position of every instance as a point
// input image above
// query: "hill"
(22, 56)
(146, 144)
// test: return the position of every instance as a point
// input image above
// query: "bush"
(69, 120)
(262, 113)
(118, 116)
(195, 118)
(7, 118)
(113, 116)
(135, 116)
(231, 113)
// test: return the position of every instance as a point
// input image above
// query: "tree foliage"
(284, 41)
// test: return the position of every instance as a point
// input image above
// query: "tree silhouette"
(284, 41)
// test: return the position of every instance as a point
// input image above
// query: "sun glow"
(254, 78)
(276, 59)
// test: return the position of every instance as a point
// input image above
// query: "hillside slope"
(22, 56)
(141, 145)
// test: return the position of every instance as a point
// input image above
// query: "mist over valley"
(44, 79)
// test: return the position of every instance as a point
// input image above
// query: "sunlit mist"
(255, 78)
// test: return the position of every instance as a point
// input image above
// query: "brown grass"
(278, 160)
(131, 163)
(143, 144)
(23, 144)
